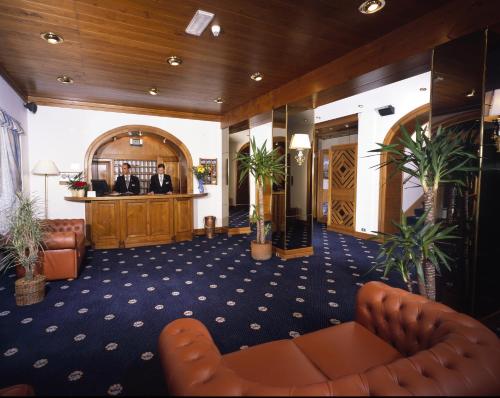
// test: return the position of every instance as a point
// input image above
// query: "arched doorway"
(159, 136)
(391, 180)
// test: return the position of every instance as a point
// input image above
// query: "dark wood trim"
(201, 231)
(13, 84)
(340, 121)
(452, 20)
(238, 231)
(122, 109)
(287, 254)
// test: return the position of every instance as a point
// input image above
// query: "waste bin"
(210, 226)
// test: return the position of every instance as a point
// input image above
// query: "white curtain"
(10, 166)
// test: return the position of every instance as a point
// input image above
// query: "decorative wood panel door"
(342, 188)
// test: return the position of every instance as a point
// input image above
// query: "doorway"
(335, 142)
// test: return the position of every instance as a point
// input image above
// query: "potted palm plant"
(23, 247)
(432, 160)
(266, 167)
(413, 246)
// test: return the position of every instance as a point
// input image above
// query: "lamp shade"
(45, 167)
(300, 141)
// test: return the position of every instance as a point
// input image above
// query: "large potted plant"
(413, 246)
(432, 160)
(266, 167)
(23, 247)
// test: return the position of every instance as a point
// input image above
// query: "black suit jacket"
(133, 187)
(154, 185)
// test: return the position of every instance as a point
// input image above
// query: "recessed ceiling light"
(199, 22)
(216, 30)
(371, 6)
(346, 125)
(174, 61)
(471, 93)
(65, 79)
(257, 76)
(423, 88)
(153, 91)
(51, 37)
(218, 100)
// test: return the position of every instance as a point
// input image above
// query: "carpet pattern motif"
(238, 216)
(97, 334)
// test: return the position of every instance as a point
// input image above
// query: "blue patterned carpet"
(97, 334)
(238, 216)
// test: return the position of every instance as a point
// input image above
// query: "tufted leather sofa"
(399, 344)
(18, 390)
(64, 249)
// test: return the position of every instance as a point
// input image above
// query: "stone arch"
(174, 141)
(391, 188)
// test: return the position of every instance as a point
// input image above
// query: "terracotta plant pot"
(261, 251)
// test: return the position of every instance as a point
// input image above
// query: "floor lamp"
(46, 168)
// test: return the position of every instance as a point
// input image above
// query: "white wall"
(405, 96)
(64, 135)
(14, 106)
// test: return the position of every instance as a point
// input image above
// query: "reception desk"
(139, 220)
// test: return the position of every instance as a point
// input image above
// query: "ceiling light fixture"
(257, 76)
(371, 6)
(65, 79)
(218, 100)
(51, 37)
(154, 91)
(216, 30)
(174, 61)
(199, 22)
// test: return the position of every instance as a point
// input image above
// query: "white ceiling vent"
(199, 22)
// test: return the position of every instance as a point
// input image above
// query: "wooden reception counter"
(138, 220)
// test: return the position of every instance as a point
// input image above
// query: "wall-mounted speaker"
(31, 106)
(386, 110)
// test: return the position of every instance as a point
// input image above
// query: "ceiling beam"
(454, 19)
(61, 103)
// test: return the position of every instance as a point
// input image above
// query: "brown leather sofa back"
(448, 353)
(67, 225)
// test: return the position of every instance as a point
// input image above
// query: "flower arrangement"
(77, 182)
(201, 171)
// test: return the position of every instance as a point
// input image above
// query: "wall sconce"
(300, 142)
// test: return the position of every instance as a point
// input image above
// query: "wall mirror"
(239, 193)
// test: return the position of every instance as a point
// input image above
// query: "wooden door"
(323, 182)
(342, 188)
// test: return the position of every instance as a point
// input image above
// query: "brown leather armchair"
(18, 390)
(64, 248)
(399, 344)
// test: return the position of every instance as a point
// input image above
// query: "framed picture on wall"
(211, 164)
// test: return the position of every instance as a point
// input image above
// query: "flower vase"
(201, 187)
(80, 193)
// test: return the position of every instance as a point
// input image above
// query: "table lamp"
(46, 168)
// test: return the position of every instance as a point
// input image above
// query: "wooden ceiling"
(116, 50)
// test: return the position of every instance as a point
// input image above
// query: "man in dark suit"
(160, 182)
(127, 183)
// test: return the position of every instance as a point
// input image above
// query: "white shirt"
(127, 180)
(160, 178)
